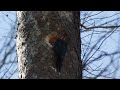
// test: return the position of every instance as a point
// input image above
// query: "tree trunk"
(35, 57)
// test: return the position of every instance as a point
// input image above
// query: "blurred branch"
(88, 28)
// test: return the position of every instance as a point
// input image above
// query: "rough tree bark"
(35, 58)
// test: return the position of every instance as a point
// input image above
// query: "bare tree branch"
(88, 28)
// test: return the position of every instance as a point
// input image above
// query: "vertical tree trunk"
(35, 58)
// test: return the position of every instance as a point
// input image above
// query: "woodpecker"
(59, 45)
(60, 49)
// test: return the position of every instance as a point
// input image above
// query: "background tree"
(100, 44)
(8, 59)
(35, 58)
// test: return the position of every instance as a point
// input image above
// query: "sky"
(110, 45)
(7, 41)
